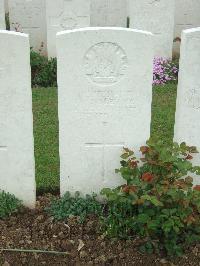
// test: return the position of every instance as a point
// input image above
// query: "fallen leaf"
(81, 244)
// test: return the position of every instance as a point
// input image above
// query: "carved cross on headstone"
(68, 18)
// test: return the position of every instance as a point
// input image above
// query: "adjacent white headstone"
(156, 16)
(65, 15)
(16, 125)
(2, 16)
(187, 16)
(29, 16)
(187, 126)
(109, 13)
(105, 92)
(6, 6)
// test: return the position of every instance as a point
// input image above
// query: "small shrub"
(157, 201)
(69, 206)
(164, 70)
(8, 204)
(43, 71)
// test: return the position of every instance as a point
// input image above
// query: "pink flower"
(164, 70)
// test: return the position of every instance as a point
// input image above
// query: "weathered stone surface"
(29, 16)
(6, 6)
(2, 16)
(65, 15)
(156, 16)
(16, 125)
(105, 92)
(187, 16)
(109, 13)
(187, 126)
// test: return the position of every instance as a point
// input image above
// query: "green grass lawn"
(46, 130)
(163, 112)
(46, 138)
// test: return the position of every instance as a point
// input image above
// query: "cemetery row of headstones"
(105, 93)
(42, 19)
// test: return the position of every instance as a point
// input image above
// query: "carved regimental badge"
(105, 63)
(68, 21)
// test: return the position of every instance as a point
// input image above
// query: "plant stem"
(34, 251)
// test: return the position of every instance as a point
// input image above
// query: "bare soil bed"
(84, 244)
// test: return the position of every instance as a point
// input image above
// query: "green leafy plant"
(158, 201)
(69, 206)
(43, 71)
(7, 20)
(8, 204)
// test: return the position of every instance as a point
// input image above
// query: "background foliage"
(43, 71)
(69, 206)
(8, 204)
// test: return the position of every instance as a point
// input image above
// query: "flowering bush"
(157, 201)
(164, 70)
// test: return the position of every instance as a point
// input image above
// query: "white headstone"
(105, 92)
(6, 6)
(156, 16)
(109, 13)
(65, 15)
(29, 16)
(187, 16)
(187, 126)
(16, 125)
(2, 16)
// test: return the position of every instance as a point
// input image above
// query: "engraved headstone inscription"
(156, 16)
(109, 13)
(65, 15)
(105, 92)
(29, 16)
(186, 17)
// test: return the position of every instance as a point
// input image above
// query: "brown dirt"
(86, 246)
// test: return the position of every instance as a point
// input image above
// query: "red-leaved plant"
(158, 201)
